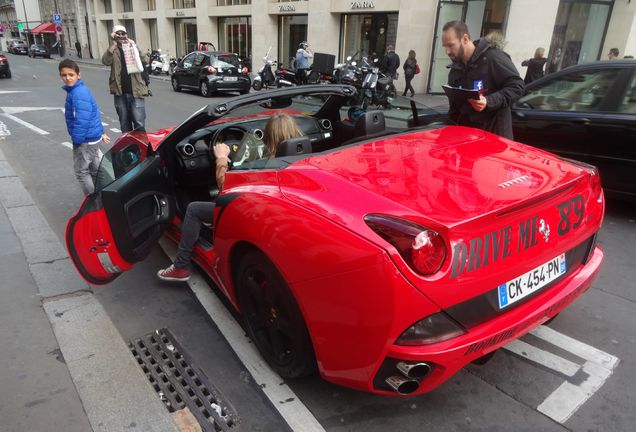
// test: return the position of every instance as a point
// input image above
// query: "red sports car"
(382, 254)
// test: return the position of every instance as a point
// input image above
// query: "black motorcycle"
(265, 77)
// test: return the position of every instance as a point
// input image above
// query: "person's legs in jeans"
(408, 86)
(95, 156)
(121, 106)
(137, 110)
(197, 213)
(81, 163)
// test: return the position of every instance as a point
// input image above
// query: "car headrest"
(369, 123)
(294, 146)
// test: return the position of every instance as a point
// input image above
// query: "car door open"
(118, 225)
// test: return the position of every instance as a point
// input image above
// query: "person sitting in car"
(279, 128)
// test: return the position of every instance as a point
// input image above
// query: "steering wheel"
(237, 146)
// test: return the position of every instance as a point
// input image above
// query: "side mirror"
(277, 103)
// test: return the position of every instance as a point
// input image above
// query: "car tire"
(204, 89)
(175, 85)
(246, 91)
(272, 317)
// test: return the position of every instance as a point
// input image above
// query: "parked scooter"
(160, 64)
(286, 77)
(265, 77)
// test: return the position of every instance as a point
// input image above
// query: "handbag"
(417, 69)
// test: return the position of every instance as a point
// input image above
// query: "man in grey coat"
(128, 87)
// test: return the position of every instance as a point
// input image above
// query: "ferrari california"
(379, 253)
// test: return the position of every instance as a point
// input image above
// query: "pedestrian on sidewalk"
(84, 125)
(390, 62)
(78, 47)
(127, 84)
(411, 68)
(535, 66)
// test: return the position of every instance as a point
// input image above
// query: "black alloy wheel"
(175, 84)
(273, 319)
(204, 88)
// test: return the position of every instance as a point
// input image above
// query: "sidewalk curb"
(112, 387)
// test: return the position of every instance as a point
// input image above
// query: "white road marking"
(568, 397)
(18, 110)
(115, 130)
(67, 144)
(4, 131)
(14, 91)
(544, 358)
(26, 124)
(283, 398)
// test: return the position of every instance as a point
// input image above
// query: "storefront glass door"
(292, 30)
(185, 31)
(578, 34)
(367, 34)
(235, 36)
(447, 11)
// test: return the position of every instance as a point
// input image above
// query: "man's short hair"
(614, 51)
(460, 28)
(68, 63)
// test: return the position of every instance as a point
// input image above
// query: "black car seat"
(368, 125)
(294, 147)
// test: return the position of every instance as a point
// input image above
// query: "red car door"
(118, 225)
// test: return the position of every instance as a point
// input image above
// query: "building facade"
(571, 31)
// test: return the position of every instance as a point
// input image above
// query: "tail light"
(432, 329)
(596, 184)
(423, 249)
(244, 70)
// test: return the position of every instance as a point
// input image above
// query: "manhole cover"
(179, 383)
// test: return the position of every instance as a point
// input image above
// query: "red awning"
(44, 28)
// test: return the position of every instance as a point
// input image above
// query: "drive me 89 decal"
(500, 244)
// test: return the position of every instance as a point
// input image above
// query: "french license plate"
(230, 78)
(526, 284)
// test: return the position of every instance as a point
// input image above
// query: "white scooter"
(160, 65)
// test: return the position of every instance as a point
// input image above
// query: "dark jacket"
(391, 63)
(491, 70)
(409, 67)
(535, 69)
(83, 121)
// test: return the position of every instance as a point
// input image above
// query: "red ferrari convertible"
(382, 254)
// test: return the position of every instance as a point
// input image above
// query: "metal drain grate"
(171, 372)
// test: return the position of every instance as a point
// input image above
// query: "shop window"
(292, 30)
(154, 34)
(578, 33)
(185, 32)
(108, 8)
(367, 35)
(151, 5)
(183, 4)
(127, 6)
(235, 35)
(130, 28)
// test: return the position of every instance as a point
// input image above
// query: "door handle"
(581, 121)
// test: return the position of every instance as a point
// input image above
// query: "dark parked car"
(39, 50)
(5, 71)
(210, 72)
(19, 47)
(585, 112)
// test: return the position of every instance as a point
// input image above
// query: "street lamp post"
(26, 19)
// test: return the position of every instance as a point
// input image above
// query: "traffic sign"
(57, 18)
(20, 26)
(58, 28)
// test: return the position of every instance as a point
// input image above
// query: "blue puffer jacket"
(83, 121)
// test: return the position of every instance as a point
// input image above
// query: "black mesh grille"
(179, 384)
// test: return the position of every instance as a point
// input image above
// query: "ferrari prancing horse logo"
(544, 229)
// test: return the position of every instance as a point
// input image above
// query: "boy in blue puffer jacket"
(84, 124)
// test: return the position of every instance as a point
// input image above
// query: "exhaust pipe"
(402, 385)
(414, 371)
(285, 83)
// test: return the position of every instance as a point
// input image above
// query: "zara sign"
(362, 5)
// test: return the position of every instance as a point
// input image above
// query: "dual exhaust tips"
(412, 374)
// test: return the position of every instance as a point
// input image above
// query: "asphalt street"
(594, 339)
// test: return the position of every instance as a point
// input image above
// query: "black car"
(210, 72)
(585, 112)
(19, 47)
(39, 50)
(5, 70)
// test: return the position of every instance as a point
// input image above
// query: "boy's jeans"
(131, 112)
(86, 159)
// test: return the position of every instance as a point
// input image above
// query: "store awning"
(44, 28)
